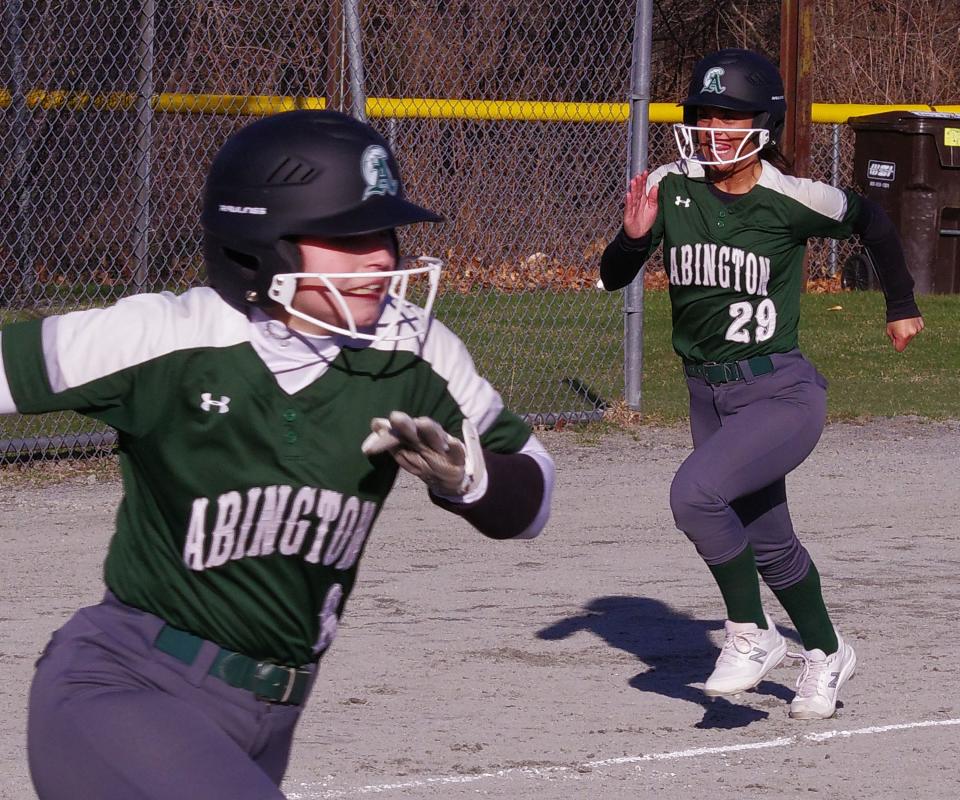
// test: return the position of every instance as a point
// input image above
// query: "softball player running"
(261, 422)
(734, 228)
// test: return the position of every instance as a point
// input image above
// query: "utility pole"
(796, 66)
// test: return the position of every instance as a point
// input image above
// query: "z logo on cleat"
(758, 655)
(833, 683)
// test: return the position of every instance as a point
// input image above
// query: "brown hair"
(773, 154)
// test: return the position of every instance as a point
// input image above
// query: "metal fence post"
(21, 240)
(639, 126)
(143, 135)
(358, 96)
(834, 181)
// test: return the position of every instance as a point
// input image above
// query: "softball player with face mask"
(261, 422)
(734, 226)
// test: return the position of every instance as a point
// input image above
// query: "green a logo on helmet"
(376, 172)
(711, 81)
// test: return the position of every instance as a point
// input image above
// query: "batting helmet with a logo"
(739, 80)
(295, 174)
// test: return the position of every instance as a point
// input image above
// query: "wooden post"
(796, 67)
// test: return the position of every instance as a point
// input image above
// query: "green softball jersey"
(246, 506)
(735, 269)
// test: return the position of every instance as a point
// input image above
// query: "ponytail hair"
(773, 154)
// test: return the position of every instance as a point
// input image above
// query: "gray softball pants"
(113, 718)
(747, 435)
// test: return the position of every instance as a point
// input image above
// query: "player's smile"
(721, 132)
(720, 143)
(721, 148)
(363, 291)
(375, 291)
(371, 292)
(362, 296)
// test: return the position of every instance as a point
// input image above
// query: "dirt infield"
(571, 666)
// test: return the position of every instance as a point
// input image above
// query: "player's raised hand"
(902, 331)
(640, 206)
(448, 466)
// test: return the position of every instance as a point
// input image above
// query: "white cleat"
(749, 652)
(820, 681)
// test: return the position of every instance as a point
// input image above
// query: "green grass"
(849, 346)
(867, 376)
(526, 343)
(531, 345)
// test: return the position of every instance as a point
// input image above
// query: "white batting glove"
(449, 467)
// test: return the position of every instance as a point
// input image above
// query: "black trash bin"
(909, 163)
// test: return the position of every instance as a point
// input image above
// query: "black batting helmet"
(740, 80)
(298, 173)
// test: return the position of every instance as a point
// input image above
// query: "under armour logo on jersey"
(711, 81)
(682, 201)
(207, 403)
(375, 166)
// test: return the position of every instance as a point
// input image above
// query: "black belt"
(271, 682)
(717, 372)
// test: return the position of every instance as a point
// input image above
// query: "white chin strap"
(399, 319)
(688, 143)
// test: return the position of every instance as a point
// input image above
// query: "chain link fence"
(110, 114)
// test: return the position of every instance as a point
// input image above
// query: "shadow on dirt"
(677, 650)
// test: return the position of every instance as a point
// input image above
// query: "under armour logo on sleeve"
(682, 201)
(207, 403)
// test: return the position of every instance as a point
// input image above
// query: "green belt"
(727, 372)
(272, 682)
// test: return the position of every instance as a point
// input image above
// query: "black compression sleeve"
(880, 237)
(513, 498)
(623, 259)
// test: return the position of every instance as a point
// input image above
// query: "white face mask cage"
(688, 143)
(399, 318)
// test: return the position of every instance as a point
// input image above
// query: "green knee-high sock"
(740, 586)
(803, 602)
